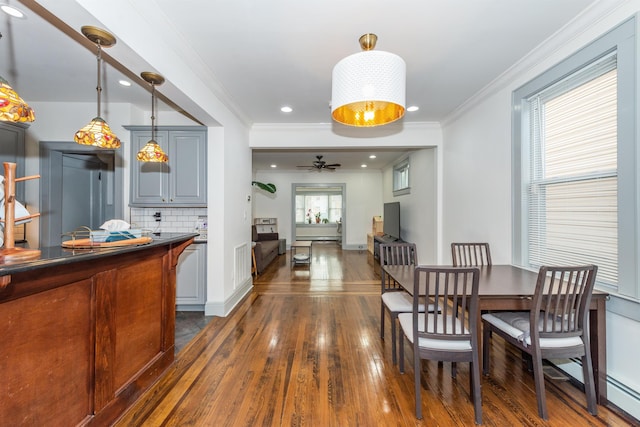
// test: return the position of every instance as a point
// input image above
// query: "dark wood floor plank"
(304, 350)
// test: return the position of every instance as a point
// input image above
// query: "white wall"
(477, 181)
(418, 209)
(363, 200)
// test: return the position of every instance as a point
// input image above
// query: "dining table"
(511, 288)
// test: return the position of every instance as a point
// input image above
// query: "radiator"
(242, 261)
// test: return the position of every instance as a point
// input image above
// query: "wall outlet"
(158, 216)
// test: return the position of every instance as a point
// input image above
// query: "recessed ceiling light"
(11, 11)
(413, 108)
(286, 109)
(124, 83)
(373, 156)
(363, 166)
(274, 166)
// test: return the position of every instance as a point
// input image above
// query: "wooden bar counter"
(84, 332)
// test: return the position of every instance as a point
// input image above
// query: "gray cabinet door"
(187, 162)
(191, 276)
(179, 183)
(149, 181)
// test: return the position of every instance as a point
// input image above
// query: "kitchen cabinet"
(12, 151)
(191, 278)
(182, 181)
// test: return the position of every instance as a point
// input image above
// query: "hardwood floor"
(303, 349)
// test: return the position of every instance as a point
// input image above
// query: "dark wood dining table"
(507, 287)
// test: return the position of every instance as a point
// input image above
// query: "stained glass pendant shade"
(151, 152)
(12, 107)
(98, 133)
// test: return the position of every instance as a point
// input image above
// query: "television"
(391, 220)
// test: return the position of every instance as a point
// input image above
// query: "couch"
(266, 249)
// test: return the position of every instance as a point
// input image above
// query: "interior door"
(82, 191)
(77, 187)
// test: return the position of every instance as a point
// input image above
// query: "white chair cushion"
(406, 322)
(400, 301)
(516, 325)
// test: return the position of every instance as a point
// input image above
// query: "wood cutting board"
(88, 244)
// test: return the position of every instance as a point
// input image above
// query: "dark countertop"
(57, 255)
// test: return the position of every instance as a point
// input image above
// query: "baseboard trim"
(619, 394)
(222, 309)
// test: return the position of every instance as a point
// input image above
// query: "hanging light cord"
(153, 112)
(99, 87)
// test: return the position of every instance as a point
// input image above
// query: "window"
(573, 151)
(572, 181)
(401, 178)
(325, 205)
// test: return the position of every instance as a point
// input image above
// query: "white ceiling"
(265, 54)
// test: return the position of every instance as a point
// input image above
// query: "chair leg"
(454, 370)
(486, 342)
(394, 322)
(589, 383)
(416, 378)
(476, 395)
(538, 377)
(381, 320)
(401, 352)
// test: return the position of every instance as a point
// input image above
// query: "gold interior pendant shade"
(151, 152)
(368, 88)
(98, 133)
(12, 107)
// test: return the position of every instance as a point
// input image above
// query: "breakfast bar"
(84, 332)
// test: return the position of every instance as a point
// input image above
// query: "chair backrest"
(561, 301)
(396, 254)
(470, 254)
(450, 290)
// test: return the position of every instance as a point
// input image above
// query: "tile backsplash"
(172, 219)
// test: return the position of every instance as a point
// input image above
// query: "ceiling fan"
(320, 164)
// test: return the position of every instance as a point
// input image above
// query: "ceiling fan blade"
(334, 165)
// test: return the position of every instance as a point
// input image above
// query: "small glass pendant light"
(98, 133)
(151, 152)
(12, 107)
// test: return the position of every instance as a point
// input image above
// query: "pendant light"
(152, 152)
(98, 133)
(12, 107)
(368, 88)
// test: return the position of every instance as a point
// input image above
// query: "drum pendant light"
(368, 88)
(98, 133)
(152, 152)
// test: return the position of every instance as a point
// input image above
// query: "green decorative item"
(270, 188)
(325, 220)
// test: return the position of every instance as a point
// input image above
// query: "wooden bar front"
(81, 339)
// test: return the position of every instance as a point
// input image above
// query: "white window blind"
(571, 195)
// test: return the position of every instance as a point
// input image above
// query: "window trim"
(623, 40)
(399, 169)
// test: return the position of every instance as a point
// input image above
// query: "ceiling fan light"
(368, 88)
(12, 107)
(97, 134)
(151, 152)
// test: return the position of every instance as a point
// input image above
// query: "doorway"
(79, 186)
(319, 211)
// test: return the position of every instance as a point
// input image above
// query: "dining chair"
(556, 327)
(393, 298)
(470, 254)
(445, 334)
